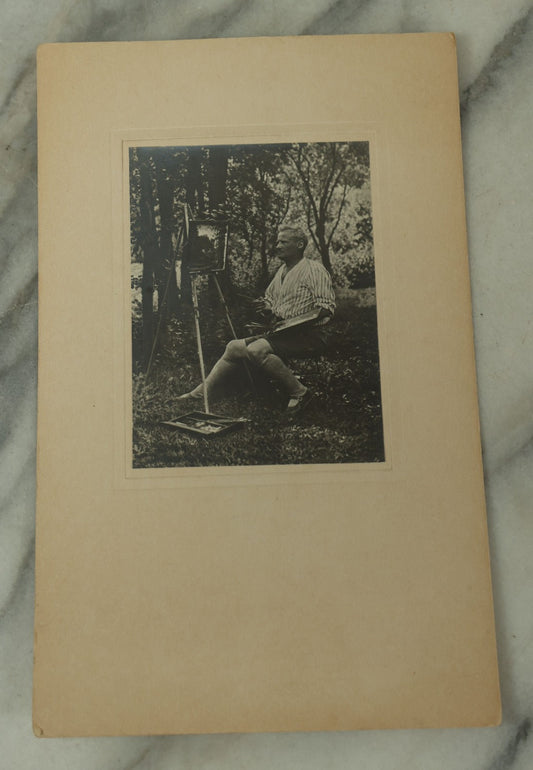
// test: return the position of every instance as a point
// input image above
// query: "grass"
(342, 424)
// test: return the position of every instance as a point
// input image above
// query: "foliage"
(324, 187)
(327, 173)
(258, 200)
(342, 424)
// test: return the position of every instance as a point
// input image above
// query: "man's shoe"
(297, 405)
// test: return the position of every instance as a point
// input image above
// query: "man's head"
(290, 244)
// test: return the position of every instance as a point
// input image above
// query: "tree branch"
(310, 226)
(281, 216)
(326, 193)
(338, 214)
(306, 184)
(333, 186)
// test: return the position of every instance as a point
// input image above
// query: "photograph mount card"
(326, 566)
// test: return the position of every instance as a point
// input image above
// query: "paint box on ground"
(205, 424)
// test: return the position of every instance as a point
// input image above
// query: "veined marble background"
(495, 49)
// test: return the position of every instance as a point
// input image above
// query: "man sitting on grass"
(300, 285)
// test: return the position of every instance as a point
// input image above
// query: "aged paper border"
(335, 602)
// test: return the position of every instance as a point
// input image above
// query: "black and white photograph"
(254, 327)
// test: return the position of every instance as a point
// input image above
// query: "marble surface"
(495, 49)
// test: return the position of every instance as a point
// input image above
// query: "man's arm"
(262, 308)
(322, 290)
(261, 304)
(268, 298)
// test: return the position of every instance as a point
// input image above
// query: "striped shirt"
(304, 287)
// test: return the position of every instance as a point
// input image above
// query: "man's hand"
(263, 316)
(262, 310)
(260, 305)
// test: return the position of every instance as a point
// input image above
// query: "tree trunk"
(194, 195)
(322, 244)
(194, 188)
(149, 249)
(216, 177)
(166, 271)
(217, 172)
